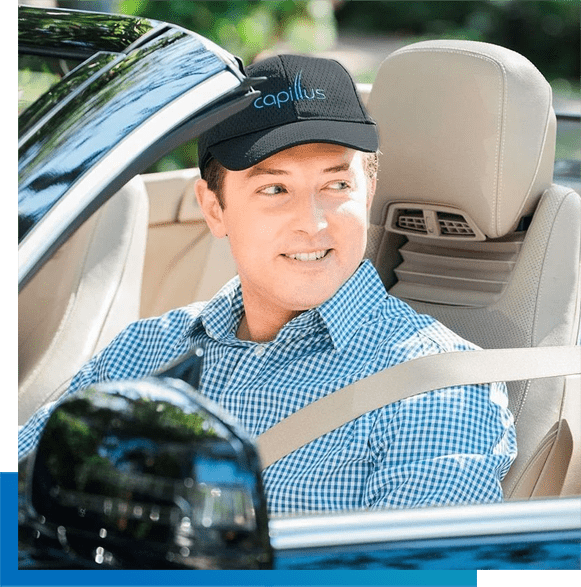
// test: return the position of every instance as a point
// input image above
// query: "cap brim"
(245, 151)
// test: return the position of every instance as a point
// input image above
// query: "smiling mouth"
(314, 256)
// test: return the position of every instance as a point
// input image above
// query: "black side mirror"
(146, 474)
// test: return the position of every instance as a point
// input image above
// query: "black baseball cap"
(303, 100)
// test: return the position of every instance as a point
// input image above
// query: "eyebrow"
(336, 168)
(260, 170)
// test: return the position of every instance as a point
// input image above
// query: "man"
(289, 181)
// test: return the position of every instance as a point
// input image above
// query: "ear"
(211, 209)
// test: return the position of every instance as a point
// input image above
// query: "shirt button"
(259, 351)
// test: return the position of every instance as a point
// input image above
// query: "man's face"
(297, 225)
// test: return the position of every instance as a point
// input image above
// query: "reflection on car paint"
(530, 552)
(105, 112)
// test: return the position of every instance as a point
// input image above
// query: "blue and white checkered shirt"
(443, 447)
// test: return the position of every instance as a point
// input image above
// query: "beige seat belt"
(411, 378)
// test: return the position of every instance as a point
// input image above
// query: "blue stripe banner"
(11, 575)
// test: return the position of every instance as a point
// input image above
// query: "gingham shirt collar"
(221, 316)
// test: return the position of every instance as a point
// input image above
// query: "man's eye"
(272, 190)
(338, 185)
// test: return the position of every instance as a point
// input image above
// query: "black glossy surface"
(557, 550)
(102, 114)
(187, 368)
(78, 34)
(142, 475)
(60, 95)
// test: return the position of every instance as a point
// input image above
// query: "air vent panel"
(412, 220)
(432, 222)
(454, 225)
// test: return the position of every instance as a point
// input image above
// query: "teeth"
(309, 256)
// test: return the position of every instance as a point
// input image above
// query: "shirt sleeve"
(137, 351)
(445, 447)
(29, 434)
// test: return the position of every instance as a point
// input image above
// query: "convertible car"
(474, 222)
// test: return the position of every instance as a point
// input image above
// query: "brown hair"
(215, 172)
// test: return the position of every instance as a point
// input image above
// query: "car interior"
(81, 297)
(466, 226)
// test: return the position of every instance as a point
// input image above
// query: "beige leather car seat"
(82, 297)
(184, 262)
(467, 226)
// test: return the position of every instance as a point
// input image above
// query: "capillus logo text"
(294, 93)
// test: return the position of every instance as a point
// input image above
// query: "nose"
(309, 215)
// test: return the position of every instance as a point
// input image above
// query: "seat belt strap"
(408, 379)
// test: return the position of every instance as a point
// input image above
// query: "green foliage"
(246, 27)
(545, 31)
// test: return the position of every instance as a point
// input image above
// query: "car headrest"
(466, 128)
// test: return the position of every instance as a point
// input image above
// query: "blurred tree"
(248, 27)
(545, 31)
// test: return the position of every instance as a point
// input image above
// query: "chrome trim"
(389, 526)
(222, 53)
(47, 231)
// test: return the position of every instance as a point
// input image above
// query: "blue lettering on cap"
(295, 93)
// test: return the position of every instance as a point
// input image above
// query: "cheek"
(264, 231)
(263, 226)
(353, 213)
(248, 234)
